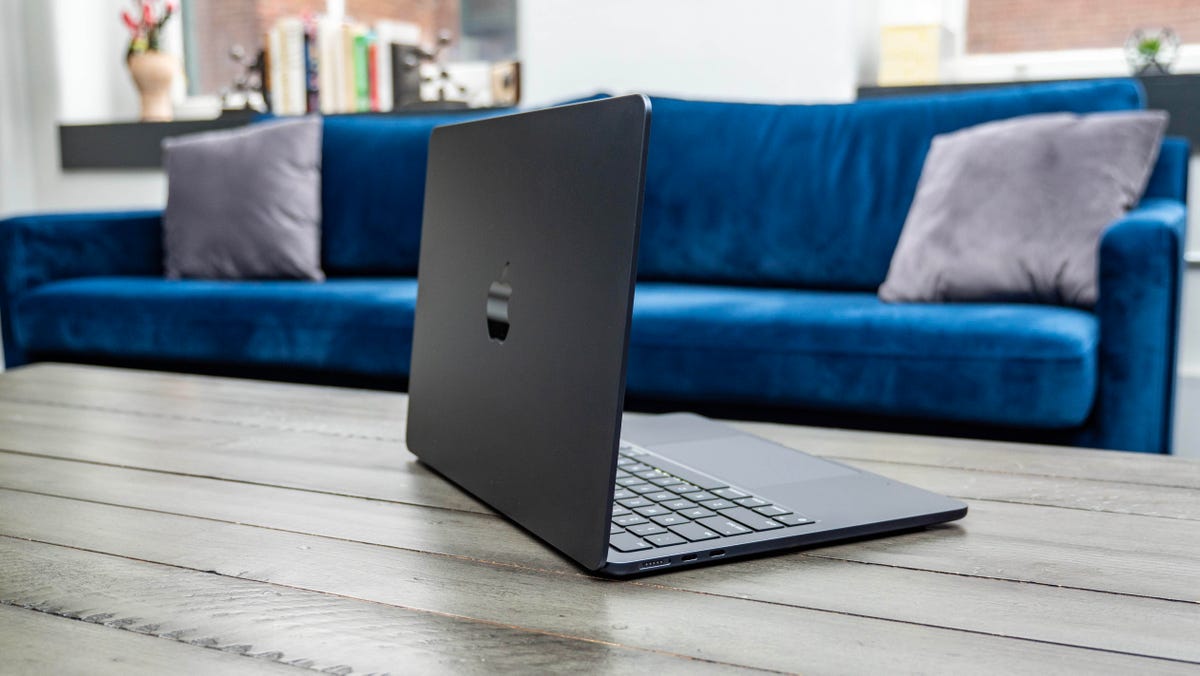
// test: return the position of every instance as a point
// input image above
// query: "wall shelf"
(1179, 95)
(138, 145)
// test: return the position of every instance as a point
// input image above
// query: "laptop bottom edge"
(720, 551)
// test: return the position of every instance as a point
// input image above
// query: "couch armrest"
(1141, 263)
(43, 248)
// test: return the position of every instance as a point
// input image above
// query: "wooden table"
(172, 523)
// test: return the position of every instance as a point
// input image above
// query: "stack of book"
(331, 65)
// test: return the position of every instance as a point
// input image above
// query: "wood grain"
(1039, 612)
(32, 642)
(639, 616)
(279, 624)
(288, 520)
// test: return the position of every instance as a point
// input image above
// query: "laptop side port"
(688, 557)
(656, 563)
(716, 553)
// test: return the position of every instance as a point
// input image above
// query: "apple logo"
(497, 307)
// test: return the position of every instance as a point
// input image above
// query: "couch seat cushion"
(1033, 366)
(359, 326)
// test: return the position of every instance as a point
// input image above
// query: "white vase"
(153, 73)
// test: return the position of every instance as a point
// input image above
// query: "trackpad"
(750, 462)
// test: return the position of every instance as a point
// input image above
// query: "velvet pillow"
(1014, 210)
(245, 203)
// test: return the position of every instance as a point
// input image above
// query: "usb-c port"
(715, 553)
(688, 557)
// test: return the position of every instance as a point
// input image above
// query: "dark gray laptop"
(528, 259)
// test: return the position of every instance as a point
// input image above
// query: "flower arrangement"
(145, 30)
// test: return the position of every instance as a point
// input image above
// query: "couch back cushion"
(373, 191)
(810, 196)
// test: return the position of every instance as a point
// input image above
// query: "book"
(349, 96)
(329, 33)
(362, 85)
(275, 84)
(293, 73)
(387, 34)
(373, 72)
(312, 84)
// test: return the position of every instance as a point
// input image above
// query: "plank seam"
(428, 611)
(641, 583)
(367, 437)
(635, 583)
(105, 620)
(468, 511)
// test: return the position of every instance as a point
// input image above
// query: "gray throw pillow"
(1014, 210)
(245, 203)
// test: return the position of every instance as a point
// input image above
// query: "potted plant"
(153, 70)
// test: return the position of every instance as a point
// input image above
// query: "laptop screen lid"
(525, 288)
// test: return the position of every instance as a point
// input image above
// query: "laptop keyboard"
(660, 504)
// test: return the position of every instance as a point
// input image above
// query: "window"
(1005, 26)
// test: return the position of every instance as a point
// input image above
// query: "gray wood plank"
(1087, 550)
(361, 413)
(37, 643)
(1040, 612)
(1086, 494)
(644, 616)
(290, 458)
(992, 456)
(316, 631)
(327, 410)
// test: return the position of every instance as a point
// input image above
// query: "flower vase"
(153, 73)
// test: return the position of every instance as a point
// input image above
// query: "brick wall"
(217, 25)
(1042, 25)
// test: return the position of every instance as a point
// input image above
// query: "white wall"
(78, 75)
(757, 50)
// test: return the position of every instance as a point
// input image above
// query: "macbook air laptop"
(526, 284)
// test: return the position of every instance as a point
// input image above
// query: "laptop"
(526, 282)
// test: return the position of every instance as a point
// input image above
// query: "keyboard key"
(625, 462)
(660, 496)
(665, 481)
(697, 512)
(622, 494)
(793, 520)
(620, 511)
(634, 503)
(649, 473)
(679, 505)
(685, 488)
(621, 473)
(751, 519)
(615, 529)
(694, 532)
(666, 539)
(724, 526)
(692, 477)
(627, 542)
(731, 493)
(670, 519)
(627, 480)
(642, 488)
(771, 510)
(629, 520)
(751, 503)
(644, 529)
(700, 496)
(718, 504)
(652, 510)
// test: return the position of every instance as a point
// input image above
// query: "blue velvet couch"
(767, 229)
